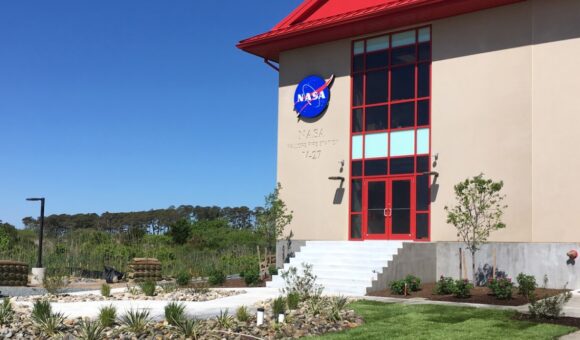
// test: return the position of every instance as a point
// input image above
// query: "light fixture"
(260, 316)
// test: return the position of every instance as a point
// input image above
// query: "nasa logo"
(312, 96)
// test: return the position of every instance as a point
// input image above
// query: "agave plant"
(45, 320)
(90, 330)
(107, 315)
(188, 328)
(174, 312)
(224, 320)
(6, 312)
(135, 321)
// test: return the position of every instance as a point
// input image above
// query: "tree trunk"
(473, 267)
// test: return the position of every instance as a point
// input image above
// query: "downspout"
(271, 64)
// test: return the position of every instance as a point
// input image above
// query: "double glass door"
(389, 208)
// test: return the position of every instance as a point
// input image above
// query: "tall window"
(391, 118)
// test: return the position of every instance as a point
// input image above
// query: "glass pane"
(422, 226)
(403, 143)
(357, 168)
(423, 192)
(357, 120)
(376, 145)
(424, 34)
(376, 118)
(378, 59)
(404, 38)
(424, 80)
(403, 82)
(376, 167)
(401, 207)
(379, 43)
(423, 112)
(357, 90)
(402, 115)
(402, 165)
(425, 52)
(422, 141)
(377, 87)
(403, 55)
(376, 207)
(358, 63)
(422, 164)
(356, 195)
(356, 226)
(359, 47)
(357, 147)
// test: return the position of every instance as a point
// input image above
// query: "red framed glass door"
(389, 208)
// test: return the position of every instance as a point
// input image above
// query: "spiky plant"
(188, 328)
(45, 320)
(135, 321)
(148, 287)
(224, 320)
(242, 314)
(105, 290)
(6, 312)
(278, 306)
(90, 330)
(337, 305)
(174, 312)
(107, 315)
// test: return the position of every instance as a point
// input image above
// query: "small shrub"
(174, 312)
(188, 328)
(252, 277)
(6, 312)
(54, 283)
(445, 286)
(548, 307)
(148, 287)
(272, 270)
(305, 285)
(526, 285)
(501, 288)
(168, 288)
(292, 300)
(199, 288)
(397, 287)
(135, 321)
(413, 283)
(105, 290)
(183, 278)
(337, 305)
(315, 305)
(45, 320)
(132, 290)
(462, 289)
(107, 316)
(90, 330)
(242, 314)
(217, 277)
(278, 306)
(224, 320)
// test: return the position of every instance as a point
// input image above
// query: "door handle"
(388, 212)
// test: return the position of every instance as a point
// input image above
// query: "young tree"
(478, 212)
(180, 231)
(272, 220)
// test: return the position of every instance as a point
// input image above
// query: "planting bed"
(480, 295)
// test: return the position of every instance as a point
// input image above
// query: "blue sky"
(136, 104)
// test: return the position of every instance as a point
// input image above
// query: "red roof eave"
(367, 21)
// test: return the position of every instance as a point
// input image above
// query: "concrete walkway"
(200, 310)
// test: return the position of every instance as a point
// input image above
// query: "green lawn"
(400, 321)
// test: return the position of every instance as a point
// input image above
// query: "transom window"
(391, 116)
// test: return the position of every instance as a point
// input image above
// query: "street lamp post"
(38, 272)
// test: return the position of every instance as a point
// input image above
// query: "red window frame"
(416, 99)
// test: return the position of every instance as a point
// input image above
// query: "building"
(423, 94)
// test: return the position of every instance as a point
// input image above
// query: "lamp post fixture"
(41, 232)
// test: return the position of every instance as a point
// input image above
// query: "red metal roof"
(319, 21)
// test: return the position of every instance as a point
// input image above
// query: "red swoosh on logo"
(322, 88)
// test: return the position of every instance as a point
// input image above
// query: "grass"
(415, 322)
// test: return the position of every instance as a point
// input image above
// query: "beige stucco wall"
(504, 80)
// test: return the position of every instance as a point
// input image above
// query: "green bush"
(501, 288)
(183, 278)
(397, 287)
(445, 286)
(526, 285)
(174, 313)
(548, 307)
(105, 290)
(272, 270)
(278, 306)
(292, 300)
(217, 277)
(462, 289)
(413, 283)
(242, 314)
(252, 277)
(107, 316)
(148, 287)
(54, 282)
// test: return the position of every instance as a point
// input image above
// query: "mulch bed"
(563, 320)
(239, 283)
(480, 295)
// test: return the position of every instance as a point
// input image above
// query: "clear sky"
(136, 104)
